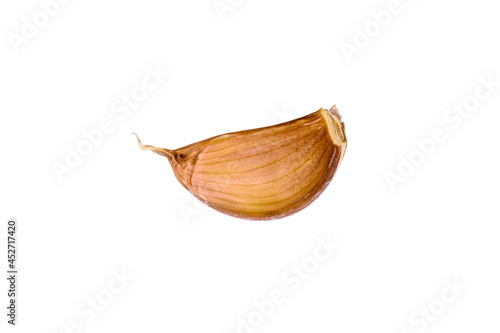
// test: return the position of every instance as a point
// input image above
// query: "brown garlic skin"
(265, 173)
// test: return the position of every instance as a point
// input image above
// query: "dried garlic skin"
(265, 173)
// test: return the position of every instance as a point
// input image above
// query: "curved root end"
(335, 112)
(160, 151)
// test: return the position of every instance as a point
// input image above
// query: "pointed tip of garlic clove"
(139, 141)
(160, 151)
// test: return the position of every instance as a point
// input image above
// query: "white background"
(262, 62)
